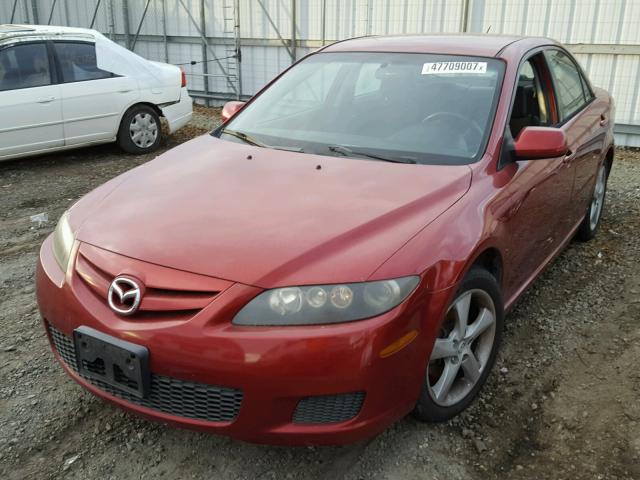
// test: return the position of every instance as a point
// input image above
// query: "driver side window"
(24, 66)
(530, 102)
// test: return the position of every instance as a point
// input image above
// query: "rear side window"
(78, 62)
(570, 88)
(24, 66)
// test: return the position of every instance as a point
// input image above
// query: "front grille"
(64, 346)
(169, 395)
(184, 297)
(328, 408)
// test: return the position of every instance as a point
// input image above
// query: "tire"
(591, 221)
(452, 353)
(139, 130)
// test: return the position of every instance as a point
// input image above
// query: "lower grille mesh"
(329, 408)
(176, 397)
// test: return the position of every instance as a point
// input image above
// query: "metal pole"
(67, 17)
(210, 75)
(164, 31)
(324, 21)
(236, 29)
(53, 7)
(34, 10)
(13, 10)
(293, 31)
(204, 40)
(144, 14)
(465, 16)
(95, 14)
(125, 17)
(273, 25)
(112, 20)
(25, 7)
(205, 44)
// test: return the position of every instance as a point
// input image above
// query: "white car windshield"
(404, 107)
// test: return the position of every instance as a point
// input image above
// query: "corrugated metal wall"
(604, 34)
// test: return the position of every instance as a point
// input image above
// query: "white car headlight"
(63, 239)
(321, 304)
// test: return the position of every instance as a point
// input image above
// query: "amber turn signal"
(399, 344)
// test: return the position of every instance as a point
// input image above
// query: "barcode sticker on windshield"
(434, 68)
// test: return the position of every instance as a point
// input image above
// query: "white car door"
(30, 101)
(93, 100)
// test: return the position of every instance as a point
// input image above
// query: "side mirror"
(230, 109)
(540, 142)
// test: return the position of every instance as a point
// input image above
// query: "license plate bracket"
(118, 363)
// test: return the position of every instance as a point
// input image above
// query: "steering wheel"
(455, 120)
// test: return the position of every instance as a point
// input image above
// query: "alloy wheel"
(143, 130)
(463, 348)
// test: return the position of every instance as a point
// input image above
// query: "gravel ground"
(561, 402)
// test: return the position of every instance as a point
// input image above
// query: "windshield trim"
(449, 160)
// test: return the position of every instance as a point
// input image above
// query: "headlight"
(318, 304)
(63, 242)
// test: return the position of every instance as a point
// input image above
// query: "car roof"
(453, 44)
(14, 31)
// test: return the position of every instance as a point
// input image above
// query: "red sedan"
(342, 250)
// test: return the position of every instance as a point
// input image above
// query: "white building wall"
(604, 34)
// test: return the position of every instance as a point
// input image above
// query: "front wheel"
(139, 130)
(465, 350)
(591, 221)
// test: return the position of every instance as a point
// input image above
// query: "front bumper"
(275, 369)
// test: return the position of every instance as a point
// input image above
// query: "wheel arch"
(450, 274)
(608, 158)
(146, 104)
(489, 259)
(137, 104)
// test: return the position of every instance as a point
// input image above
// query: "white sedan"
(63, 88)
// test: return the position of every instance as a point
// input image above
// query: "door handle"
(46, 99)
(603, 121)
(126, 91)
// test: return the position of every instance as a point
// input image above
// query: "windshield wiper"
(349, 152)
(244, 137)
(252, 141)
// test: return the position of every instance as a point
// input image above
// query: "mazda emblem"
(124, 296)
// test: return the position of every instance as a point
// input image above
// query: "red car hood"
(277, 218)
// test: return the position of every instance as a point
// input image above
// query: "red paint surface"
(205, 218)
(540, 142)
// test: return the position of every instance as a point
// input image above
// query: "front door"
(533, 202)
(30, 102)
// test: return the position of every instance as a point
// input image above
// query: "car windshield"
(400, 107)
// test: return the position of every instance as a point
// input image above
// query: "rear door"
(93, 100)
(30, 101)
(584, 123)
